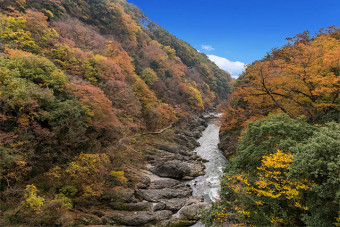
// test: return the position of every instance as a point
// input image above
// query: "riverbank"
(164, 195)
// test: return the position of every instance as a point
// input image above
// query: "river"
(208, 185)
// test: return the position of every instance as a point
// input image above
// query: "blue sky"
(232, 32)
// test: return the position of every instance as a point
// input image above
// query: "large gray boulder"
(178, 169)
(138, 218)
(193, 211)
(173, 169)
(156, 195)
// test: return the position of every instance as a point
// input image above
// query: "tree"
(297, 187)
(149, 76)
(13, 32)
(270, 199)
(318, 160)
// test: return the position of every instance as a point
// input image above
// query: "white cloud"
(233, 67)
(207, 47)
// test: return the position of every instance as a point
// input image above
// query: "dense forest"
(94, 96)
(281, 133)
(80, 82)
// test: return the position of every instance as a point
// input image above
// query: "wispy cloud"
(207, 47)
(233, 67)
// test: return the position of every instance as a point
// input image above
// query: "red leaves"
(98, 107)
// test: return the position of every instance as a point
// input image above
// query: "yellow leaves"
(92, 190)
(241, 211)
(12, 32)
(64, 202)
(48, 13)
(337, 220)
(195, 100)
(119, 176)
(297, 204)
(276, 220)
(270, 186)
(86, 174)
(32, 200)
(55, 172)
(238, 183)
(277, 160)
(272, 179)
(260, 203)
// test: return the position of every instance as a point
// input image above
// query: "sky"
(237, 32)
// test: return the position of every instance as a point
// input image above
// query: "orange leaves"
(299, 79)
(98, 107)
(120, 56)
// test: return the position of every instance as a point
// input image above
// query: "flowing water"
(208, 185)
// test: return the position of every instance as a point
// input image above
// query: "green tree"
(318, 160)
(149, 76)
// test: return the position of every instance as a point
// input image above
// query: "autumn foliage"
(301, 78)
(79, 80)
(277, 134)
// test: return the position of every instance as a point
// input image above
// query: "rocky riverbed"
(164, 196)
(167, 174)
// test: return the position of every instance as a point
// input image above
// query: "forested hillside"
(79, 81)
(282, 134)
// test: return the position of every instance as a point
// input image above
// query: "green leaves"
(38, 70)
(318, 160)
(265, 136)
(13, 32)
(149, 76)
(314, 162)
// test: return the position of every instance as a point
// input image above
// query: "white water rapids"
(208, 185)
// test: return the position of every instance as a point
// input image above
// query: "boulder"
(178, 169)
(192, 212)
(119, 194)
(156, 195)
(166, 183)
(139, 206)
(138, 218)
(158, 206)
(174, 204)
(173, 169)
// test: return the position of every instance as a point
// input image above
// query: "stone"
(158, 206)
(156, 195)
(137, 218)
(123, 195)
(173, 169)
(166, 183)
(139, 206)
(192, 212)
(174, 204)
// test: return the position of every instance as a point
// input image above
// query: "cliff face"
(80, 83)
